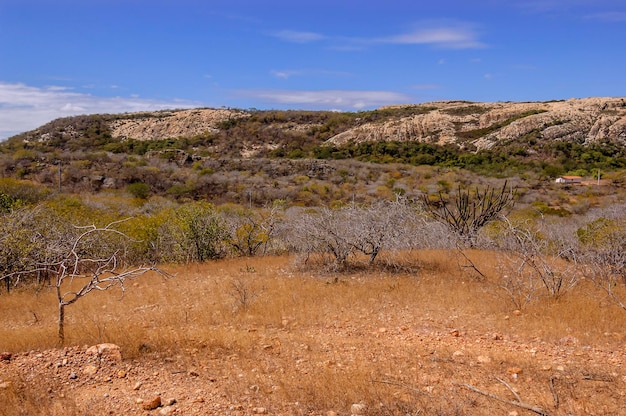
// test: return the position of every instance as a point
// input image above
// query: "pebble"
(358, 409)
(166, 410)
(137, 385)
(152, 404)
(90, 370)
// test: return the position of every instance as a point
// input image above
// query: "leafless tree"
(538, 253)
(83, 265)
(467, 211)
(339, 233)
(603, 251)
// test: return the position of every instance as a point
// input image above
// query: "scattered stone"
(517, 312)
(455, 333)
(152, 404)
(560, 368)
(358, 409)
(139, 400)
(382, 330)
(170, 402)
(166, 410)
(5, 356)
(331, 413)
(137, 385)
(514, 370)
(497, 337)
(5, 385)
(73, 376)
(121, 374)
(259, 410)
(458, 353)
(483, 359)
(546, 368)
(90, 370)
(109, 352)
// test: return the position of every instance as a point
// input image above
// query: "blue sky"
(67, 57)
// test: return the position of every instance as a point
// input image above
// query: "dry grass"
(322, 342)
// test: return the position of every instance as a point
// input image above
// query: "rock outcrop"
(167, 124)
(481, 125)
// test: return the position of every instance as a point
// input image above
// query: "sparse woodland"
(258, 239)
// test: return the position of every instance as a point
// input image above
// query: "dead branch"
(555, 396)
(519, 404)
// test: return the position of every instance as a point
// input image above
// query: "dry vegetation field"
(264, 336)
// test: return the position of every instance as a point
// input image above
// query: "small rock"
(259, 410)
(331, 413)
(358, 409)
(90, 370)
(73, 376)
(5, 356)
(137, 385)
(483, 359)
(139, 400)
(513, 370)
(455, 333)
(109, 352)
(121, 374)
(5, 385)
(546, 368)
(167, 410)
(458, 354)
(517, 312)
(497, 337)
(152, 404)
(382, 330)
(170, 402)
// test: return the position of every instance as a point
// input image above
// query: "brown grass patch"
(306, 343)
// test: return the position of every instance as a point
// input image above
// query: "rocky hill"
(468, 125)
(482, 125)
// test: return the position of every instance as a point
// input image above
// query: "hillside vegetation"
(313, 157)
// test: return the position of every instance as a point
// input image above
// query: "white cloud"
(298, 37)
(444, 33)
(329, 99)
(24, 107)
(285, 74)
(454, 36)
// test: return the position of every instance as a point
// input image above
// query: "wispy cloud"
(608, 16)
(298, 37)
(453, 35)
(288, 73)
(448, 34)
(24, 107)
(423, 87)
(329, 99)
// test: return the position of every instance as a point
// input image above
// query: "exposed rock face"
(184, 123)
(481, 125)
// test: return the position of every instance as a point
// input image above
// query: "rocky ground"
(417, 366)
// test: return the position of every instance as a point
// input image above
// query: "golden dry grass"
(325, 341)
